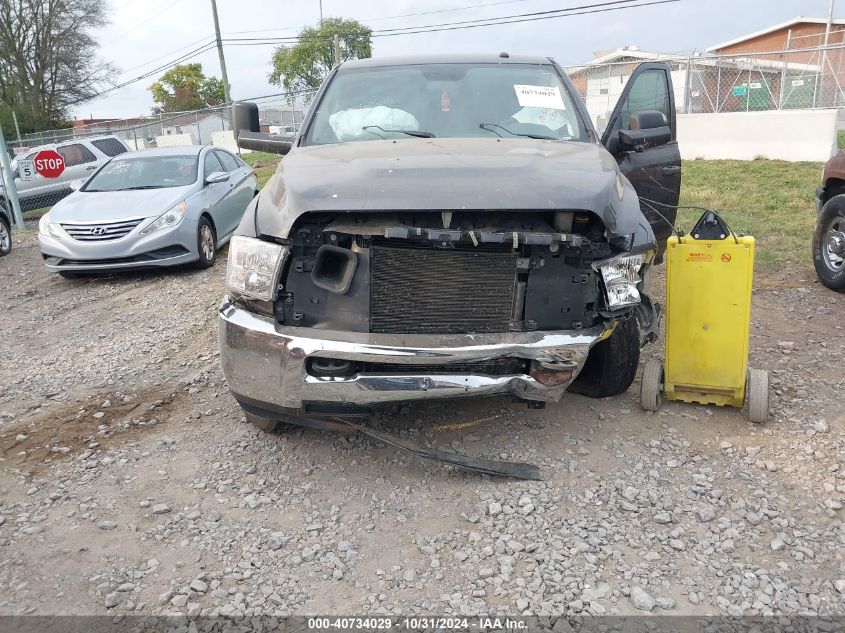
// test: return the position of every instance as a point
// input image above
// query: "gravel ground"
(129, 482)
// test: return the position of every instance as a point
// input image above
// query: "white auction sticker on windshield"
(539, 97)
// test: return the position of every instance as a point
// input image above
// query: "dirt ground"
(130, 483)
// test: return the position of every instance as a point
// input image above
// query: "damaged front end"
(382, 307)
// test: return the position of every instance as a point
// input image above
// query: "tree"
(48, 58)
(185, 87)
(304, 65)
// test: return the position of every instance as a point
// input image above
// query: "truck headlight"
(254, 266)
(621, 276)
(45, 227)
(168, 219)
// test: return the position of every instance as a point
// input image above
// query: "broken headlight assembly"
(621, 275)
(254, 266)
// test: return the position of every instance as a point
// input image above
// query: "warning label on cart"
(726, 257)
(699, 256)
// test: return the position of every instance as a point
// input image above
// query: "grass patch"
(840, 139)
(263, 163)
(769, 199)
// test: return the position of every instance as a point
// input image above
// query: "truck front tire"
(612, 364)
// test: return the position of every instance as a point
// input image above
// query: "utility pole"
(226, 95)
(10, 191)
(826, 40)
(336, 44)
(321, 11)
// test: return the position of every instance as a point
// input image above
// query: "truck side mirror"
(260, 142)
(245, 117)
(248, 134)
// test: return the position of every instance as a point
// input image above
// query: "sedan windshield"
(446, 100)
(145, 172)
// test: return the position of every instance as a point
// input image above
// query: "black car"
(5, 230)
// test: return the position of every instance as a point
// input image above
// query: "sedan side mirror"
(216, 176)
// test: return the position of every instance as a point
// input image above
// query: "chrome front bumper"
(265, 362)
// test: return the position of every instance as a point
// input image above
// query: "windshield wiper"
(416, 133)
(489, 127)
(138, 187)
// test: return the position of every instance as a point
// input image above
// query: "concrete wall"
(794, 135)
(169, 140)
(226, 140)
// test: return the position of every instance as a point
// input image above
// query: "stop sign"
(49, 163)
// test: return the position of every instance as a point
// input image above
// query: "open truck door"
(641, 135)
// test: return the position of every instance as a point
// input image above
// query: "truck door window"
(648, 92)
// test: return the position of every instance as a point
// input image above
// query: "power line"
(534, 19)
(600, 7)
(148, 74)
(389, 17)
(206, 39)
(518, 15)
(145, 19)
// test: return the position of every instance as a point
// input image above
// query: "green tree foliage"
(186, 87)
(305, 65)
(48, 60)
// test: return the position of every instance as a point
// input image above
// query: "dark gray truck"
(449, 226)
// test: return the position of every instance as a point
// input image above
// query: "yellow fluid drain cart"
(708, 315)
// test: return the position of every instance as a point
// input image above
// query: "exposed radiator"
(432, 291)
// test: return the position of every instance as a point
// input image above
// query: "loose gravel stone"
(641, 600)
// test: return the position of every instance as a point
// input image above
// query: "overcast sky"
(144, 35)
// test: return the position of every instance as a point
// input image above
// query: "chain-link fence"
(794, 79)
(89, 144)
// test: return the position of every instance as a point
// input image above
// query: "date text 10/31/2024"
(418, 623)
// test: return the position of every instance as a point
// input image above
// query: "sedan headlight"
(254, 267)
(168, 219)
(621, 276)
(45, 227)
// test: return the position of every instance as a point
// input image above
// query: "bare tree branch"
(48, 55)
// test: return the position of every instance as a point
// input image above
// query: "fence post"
(17, 128)
(199, 130)
(748, 89)
(607, 106)
(11, 192)
(718, 87)
(687, 85)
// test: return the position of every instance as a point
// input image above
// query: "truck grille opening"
(432, 291)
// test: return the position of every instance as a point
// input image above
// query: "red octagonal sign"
(49, 163)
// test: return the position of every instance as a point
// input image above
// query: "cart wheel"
(757, 396)
(651, 386)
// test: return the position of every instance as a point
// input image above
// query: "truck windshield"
(152, 172)
(445, 100)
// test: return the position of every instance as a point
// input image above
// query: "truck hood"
(109, 206)
(451, 174)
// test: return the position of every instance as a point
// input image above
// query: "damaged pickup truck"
(449, 226)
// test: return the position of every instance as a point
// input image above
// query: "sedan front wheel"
(206, 244)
